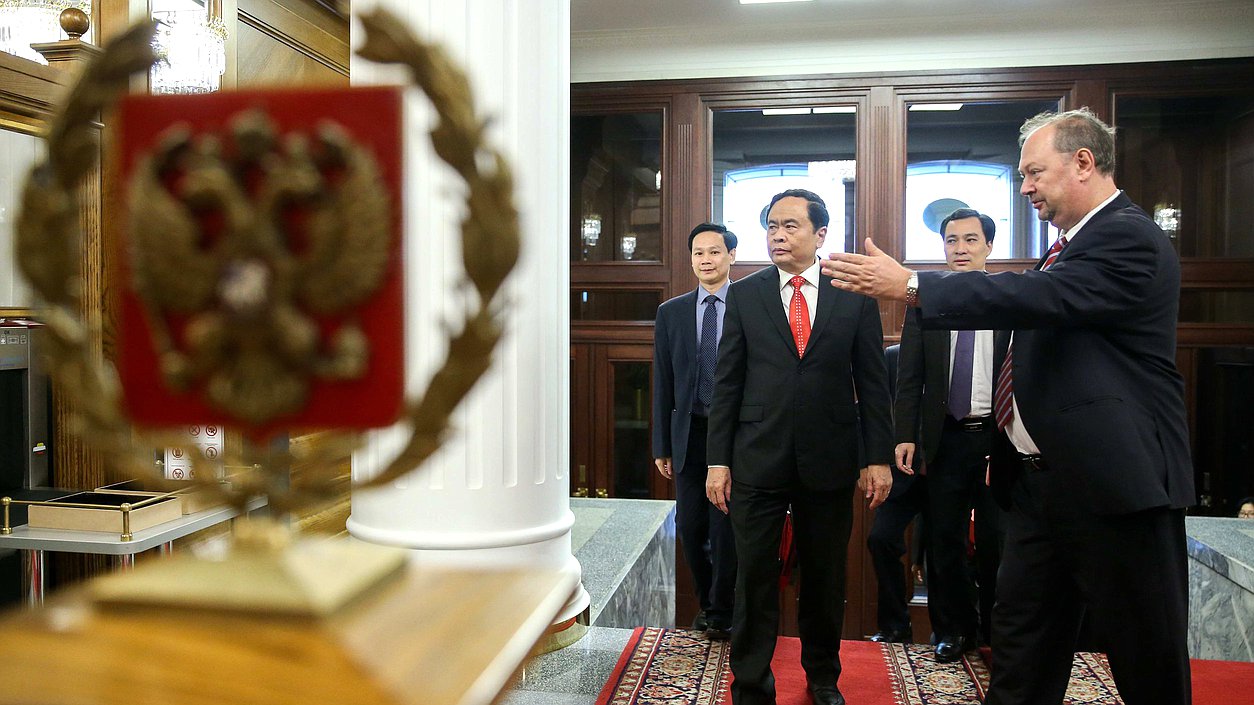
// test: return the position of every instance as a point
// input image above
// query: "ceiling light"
(828, 109)
(937, 107)
(786, 111)
(763, 2)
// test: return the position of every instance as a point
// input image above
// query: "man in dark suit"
(1094, 464)
(886, 541)
(784, 431)
(945, 381)
(685, 350)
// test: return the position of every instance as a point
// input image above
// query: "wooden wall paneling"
(581, 439)
(112, 17)
(684, 193)
(28, 91)
(599, 476)
(291, 43)
(1092, 92)
(881, 183)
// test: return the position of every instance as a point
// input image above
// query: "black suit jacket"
(774, 414)
(674, 376)
(1094, 360)
(922, 387)
(901, 481)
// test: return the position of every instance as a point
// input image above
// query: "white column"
(497, 493)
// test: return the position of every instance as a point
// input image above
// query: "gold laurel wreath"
(49, 252)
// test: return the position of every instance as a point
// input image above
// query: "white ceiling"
(650, 39)
(702, 16)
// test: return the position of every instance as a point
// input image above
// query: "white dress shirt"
(809, 291)
(981, 371)
(1017, 432)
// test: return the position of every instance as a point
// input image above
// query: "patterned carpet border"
(918, 679)
(681, 667)
(1091, 680)
(671, 666)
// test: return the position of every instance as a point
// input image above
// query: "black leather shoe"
(718, 631)
(826, 695)
(892, 636)
(698, 623)
(950, 649)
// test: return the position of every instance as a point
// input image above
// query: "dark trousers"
(955, 486)
(886, 542)
(1127, 574)
(705, 533)
(821, 524)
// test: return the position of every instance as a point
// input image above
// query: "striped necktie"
(1003, 398)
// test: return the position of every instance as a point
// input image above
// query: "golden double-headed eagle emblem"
(214, 240)
(237, 297)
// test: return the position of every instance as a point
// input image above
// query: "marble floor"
(570, 676)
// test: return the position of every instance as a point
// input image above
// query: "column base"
(563, 634)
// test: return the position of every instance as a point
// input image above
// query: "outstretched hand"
(874, 274)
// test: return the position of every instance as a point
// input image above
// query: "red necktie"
(800, 315)
(1003, 398)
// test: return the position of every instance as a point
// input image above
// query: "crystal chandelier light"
(26, 22)
(191, 47)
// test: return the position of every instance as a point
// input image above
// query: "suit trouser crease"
(956, 487)
(705, 533)
(886, 544)
(1126, 573)
(822, 521)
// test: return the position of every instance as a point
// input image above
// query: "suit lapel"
(938, 345)
(768, 289)
(1121, 201)
(826, 302)
(688, 326)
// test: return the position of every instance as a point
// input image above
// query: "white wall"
(896, 35)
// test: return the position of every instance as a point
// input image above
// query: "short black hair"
(990, 228)
(816, 208)
(729, 238)
(1247, 500)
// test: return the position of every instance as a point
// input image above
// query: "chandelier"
(191, 50)
(26, 22)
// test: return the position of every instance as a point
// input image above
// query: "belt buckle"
(974, 424)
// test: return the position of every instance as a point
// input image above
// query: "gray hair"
(1076, 130)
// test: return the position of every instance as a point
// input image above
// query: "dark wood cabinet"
(611, 406)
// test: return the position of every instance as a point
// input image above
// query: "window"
(936, 189)
(966, 155)
(747, 192)
(758, 153)
(616, 187)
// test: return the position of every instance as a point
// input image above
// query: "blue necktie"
(960, 377)
(707, 353)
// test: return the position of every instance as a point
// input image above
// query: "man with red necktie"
(1093, 463)
(784, 430)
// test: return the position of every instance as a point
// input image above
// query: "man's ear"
(1086, 164)
(732, 252)
(822, 233)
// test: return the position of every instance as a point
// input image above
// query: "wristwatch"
(912, 289)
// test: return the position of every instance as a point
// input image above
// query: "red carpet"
(679, 667)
